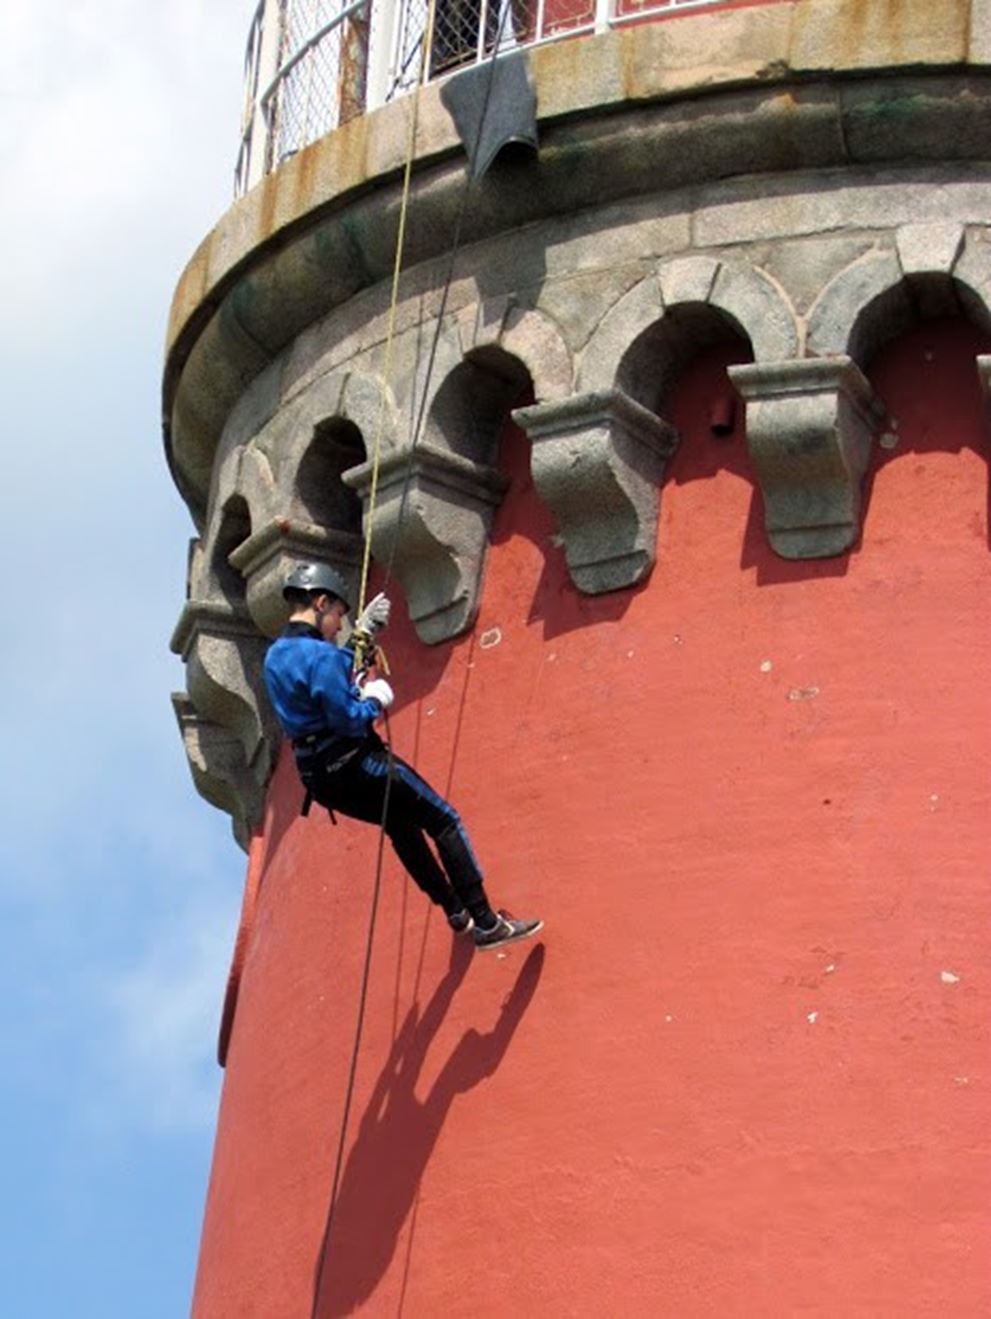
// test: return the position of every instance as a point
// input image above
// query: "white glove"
(375, 615)
(380, 690)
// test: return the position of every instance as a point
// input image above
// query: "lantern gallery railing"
(311, 65)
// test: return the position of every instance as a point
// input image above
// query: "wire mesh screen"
(466, 31)
(409, 47)
(325, 46)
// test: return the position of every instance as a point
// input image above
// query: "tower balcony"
(313, 65)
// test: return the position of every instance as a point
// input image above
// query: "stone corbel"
(433, 513)
(219, 769)
(598, 462)
(267, 557)
(223, 653)
(810, 427)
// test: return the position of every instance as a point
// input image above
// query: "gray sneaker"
(461, 921)
(506, 930)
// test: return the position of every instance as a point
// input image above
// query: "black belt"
(323, 743)
(312, 740)
(333, 751)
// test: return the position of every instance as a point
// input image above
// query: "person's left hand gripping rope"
(372, 620)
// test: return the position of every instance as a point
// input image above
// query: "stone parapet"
(699, 55)
(713, 96)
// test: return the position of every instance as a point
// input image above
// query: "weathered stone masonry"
(759, 179)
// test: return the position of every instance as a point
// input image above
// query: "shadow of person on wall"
(398, 1132)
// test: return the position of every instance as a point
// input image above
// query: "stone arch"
(656, 360)
(348, 400)
(367, 402)
(336, 444)
(232, 527)
(529, 336)
(294, 469)
(535, 341)
(648, 335)
(472, 401)
(934, 269)
(861, 306)
(750, 298)
(628, 319)
(255, 482)
(435, 499)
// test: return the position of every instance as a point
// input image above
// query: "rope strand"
(393, 305)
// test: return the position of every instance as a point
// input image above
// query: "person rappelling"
(327, 699)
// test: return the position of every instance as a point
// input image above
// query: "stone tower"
(684, 488)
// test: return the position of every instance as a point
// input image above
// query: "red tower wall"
(746, 1070)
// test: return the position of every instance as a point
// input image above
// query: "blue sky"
(119, 887)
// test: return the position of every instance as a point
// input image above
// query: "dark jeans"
(416, 812)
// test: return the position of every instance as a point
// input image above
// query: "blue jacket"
(309, 685)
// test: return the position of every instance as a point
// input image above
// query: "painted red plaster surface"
(746, 1072)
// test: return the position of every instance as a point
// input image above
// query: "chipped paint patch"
(803, 693)
(949, 978)
(490, 638)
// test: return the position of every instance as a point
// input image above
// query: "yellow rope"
(366, 561)
(393, 304)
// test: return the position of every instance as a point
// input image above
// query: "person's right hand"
(379, 690)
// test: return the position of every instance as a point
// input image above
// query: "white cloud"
(121, 123)
(116, 159)
(117, 115)
(166, 1009)
(120, 886)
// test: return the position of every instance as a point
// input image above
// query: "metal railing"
(311, 65)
